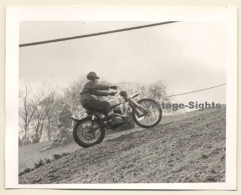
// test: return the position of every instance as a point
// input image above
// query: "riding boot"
(116, 122)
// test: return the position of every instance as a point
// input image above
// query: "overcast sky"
(186, 55)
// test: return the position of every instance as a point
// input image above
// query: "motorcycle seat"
(88, 111)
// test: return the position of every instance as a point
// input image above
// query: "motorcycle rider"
(89, 102)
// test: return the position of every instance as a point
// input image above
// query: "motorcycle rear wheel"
(84, 136)
(153, 116)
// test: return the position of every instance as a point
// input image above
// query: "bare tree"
(26, 110)
(72, 98)
(157, 91)
(42, 104)
(72, 93)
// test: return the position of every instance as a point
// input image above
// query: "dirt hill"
(191, 149)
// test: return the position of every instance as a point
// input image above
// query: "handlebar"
(124, 94)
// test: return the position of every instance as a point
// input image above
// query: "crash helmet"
(92, 75)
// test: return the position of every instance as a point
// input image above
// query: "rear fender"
(80, 120)
(89, 117)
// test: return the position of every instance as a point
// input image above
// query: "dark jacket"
(92, 88)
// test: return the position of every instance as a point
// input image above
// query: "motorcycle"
(90, 130)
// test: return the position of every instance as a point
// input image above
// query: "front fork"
(137, 108)
(92, 122)
(93, 118)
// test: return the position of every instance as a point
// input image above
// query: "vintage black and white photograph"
(122, 102)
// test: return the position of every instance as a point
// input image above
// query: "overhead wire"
(95, 34)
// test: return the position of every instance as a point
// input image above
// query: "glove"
(113, 87)
(112, 93)
(124, 94)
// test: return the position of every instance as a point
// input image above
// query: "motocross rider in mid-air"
(90, 89)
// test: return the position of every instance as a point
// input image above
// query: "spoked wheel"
(88, 133)
(149, 115)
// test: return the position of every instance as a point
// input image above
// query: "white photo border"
(17, 14)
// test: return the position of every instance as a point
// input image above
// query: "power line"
(95, 34)
(162, 97)
(196, 90)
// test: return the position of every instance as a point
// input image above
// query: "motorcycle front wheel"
(152, 115)
(88, 133)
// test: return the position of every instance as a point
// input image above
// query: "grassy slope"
(191, 149)
(30, 154)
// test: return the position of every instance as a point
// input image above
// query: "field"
(185, 148)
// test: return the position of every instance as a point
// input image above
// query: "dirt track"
(187, 150)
